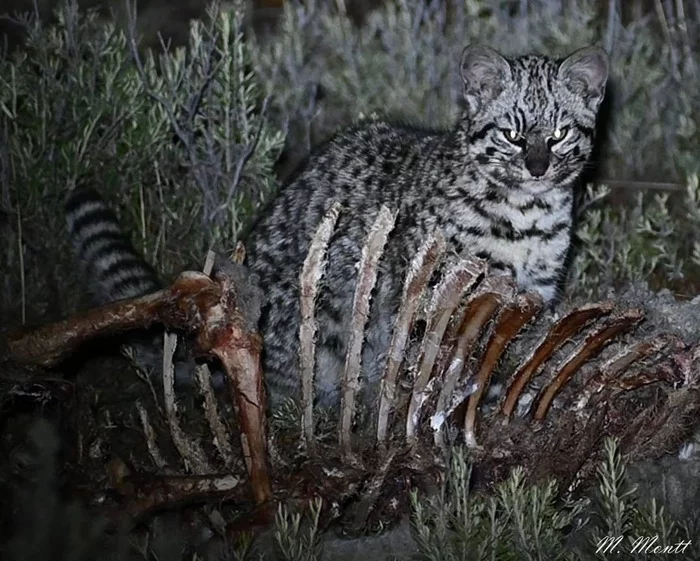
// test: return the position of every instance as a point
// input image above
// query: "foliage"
(517, 522)
(184, 143)
(178, 143)
(620, 512)
(404, 61)
(639, 241)
(533, 522)
(298, 539)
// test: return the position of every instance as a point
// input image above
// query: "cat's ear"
(484, 73)
(585, 72)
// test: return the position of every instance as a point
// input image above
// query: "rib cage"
(595, 370)
(597, 373)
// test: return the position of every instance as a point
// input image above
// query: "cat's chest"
(500, 222)
(527, 239)
(522, 236)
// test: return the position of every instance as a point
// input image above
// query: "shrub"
(178, 143)
(525, 521)
(164, 140)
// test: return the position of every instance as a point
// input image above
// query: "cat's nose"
(537, 167)
(537, 158)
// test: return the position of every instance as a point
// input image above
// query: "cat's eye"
(559, 133)
(512, 135)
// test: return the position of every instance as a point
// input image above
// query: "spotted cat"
(499, 185)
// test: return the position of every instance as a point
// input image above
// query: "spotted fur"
(499, 185)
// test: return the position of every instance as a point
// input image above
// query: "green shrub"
(654, 237)
(177, 143)
(517, 522)
(525, 521)
(164, 141)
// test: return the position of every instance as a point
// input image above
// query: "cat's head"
(531, 119)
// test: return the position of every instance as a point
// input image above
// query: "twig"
(162, 101)
(210, 72)
(612, 20)
(366, 279)
(222, 438)
(248, 152)
(419, 272)
(20, 253)
(355, 519)
(662, 20)
(311, 274)
(457, 282)
(633, 184)
(131, 35)
(209, 262)
(150, 436)
(687, 44)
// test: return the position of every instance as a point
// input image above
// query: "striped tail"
(111, 266)
(113, 270)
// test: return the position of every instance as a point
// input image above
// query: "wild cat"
(499, 185)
